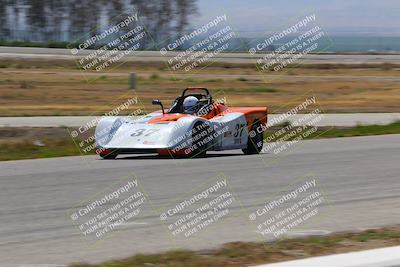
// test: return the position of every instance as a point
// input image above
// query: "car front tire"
(201, 150)
(108, 154)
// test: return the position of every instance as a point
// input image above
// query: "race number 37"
(144, 132)
(239, 129)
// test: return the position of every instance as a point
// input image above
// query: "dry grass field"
(29, 88)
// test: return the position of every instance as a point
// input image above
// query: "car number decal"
(145, 132)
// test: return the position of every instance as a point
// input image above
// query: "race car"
(193, 125)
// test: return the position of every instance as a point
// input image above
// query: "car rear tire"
(254, 141)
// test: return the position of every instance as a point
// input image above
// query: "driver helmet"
(189, 104)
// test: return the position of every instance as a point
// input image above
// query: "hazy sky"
(366, 17)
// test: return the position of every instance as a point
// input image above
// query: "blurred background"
(354, 26)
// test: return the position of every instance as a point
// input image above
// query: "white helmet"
(189, 104)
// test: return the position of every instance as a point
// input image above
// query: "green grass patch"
(256, 89)
(35, 44)
(190, 80)
(154, 76)
(212, 80)
(29, 150)
(393, 128)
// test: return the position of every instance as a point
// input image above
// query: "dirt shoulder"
(245, 253)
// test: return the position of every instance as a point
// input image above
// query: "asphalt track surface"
(359, 178)
(345, 120)
(246, 58)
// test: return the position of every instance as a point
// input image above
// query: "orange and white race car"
(193, 125)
